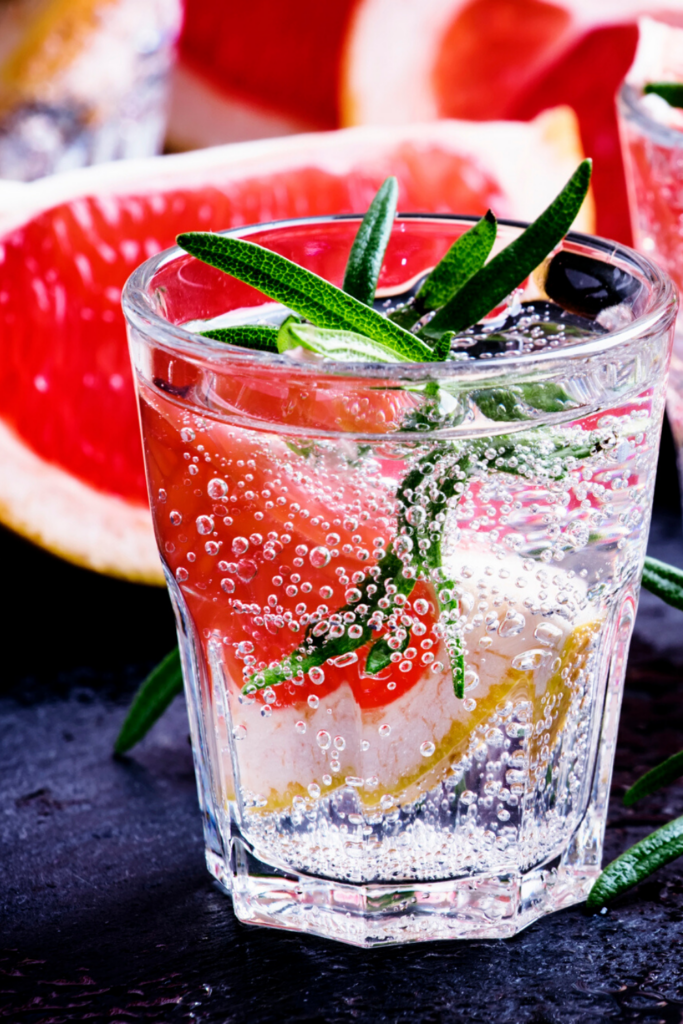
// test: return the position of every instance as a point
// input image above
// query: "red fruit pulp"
(64, 360)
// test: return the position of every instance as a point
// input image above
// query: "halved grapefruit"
(71, 472)
(267, 68)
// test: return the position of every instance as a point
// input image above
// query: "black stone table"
(108, 914)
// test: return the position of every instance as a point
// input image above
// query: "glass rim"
(629, 107)
(177, 339)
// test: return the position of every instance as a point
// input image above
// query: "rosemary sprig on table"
(666, 843)
(342, 324)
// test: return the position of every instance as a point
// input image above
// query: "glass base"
(476, 907)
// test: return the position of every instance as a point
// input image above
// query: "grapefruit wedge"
(398, 61)
(71, 472)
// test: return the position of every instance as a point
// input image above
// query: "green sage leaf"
(260, 338)
(466, 256)
(513, 403)
(651, 853)
(155, 694)
(672, 92)
(311, 296)
(344, 346)
(506, 271)
(662, 775)
(379, 655)
(367, 252)
(666, 581)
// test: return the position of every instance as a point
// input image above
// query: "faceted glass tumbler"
(348, 546)
(83, 83)
(653, 162)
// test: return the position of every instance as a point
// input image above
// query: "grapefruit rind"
(52, 508)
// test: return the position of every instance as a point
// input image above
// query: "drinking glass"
(653, 162)
(82, 83)
(404, 592)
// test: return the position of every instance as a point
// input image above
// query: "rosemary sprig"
(666, 581)
(506, 271)
(662, 775)
(462, 261)
(370, 243)
(155, 694)
(255, 337)
(672, 92)
(322, 303)
(651, 853)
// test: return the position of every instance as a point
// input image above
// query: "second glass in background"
(83, 83)
(653, 163)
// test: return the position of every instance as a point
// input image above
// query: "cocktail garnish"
(327, 306)
(658, 777)
(246, 336)
(506, 271)
(322, 303)
(367, 252)
(651, 853)
(672, 92)
(163, 683)
(462, 261)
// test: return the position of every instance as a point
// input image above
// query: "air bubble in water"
(387, 802)
(512, 624)
(327, 780)
(319, 557)
(175, 517)
(340, 742)
(332, 539)
(246, 569)
(421, 607)
(317, 676)
(314, 791)
(416, 515)
(352, 595)
(355, 632)
(313, 701)
(384, 730)
(469, 703)
(239, 732)
(323, 739)
(300, 727)
(162, 495)
(240, 545)
(547, 633)
(326, 593)
(528, 661)
(181, 574)
(217, 488)
(244, 648)
(255, 539)
(427, 748)
(187, 435)
(467, 797)
(228, 586)
(345, 659)
(471, 679)
(212, 547)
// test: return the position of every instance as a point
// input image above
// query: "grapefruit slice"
(71, 476)
(398, 61)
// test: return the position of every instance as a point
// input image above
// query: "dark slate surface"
(107, 912)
